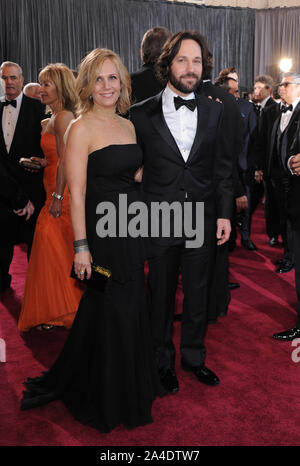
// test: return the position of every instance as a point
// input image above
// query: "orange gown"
(50, 295)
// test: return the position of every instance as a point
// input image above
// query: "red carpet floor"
(257, 402)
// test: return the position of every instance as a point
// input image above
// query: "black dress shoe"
(202, 373)
(273, 242)
(248, 244)
(287, 335)
(169, 381)
(284, 267)
(233, 286)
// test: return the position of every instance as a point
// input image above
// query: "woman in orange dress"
(51, 297)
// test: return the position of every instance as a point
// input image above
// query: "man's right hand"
(295, 164)
(27, 210)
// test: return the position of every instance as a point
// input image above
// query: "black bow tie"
(190, 104)
(285, 109)
(10, 102)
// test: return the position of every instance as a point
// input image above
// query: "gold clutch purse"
(99, 277)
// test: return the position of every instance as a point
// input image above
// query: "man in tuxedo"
(220, 286)
(228, 80)
(285, 146)
(262, 94)
(277, 221)
(20, 133)
(182, 137)
(144, 82)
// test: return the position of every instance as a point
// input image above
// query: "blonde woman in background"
(51, 297)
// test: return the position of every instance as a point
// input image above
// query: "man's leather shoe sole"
(288, 335)
(169, 381)
(203, 374)
(284, 267)
(233, 286)
(273, 242)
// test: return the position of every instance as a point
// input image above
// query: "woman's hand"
(138, 176)
(82, 265)
(55, 208)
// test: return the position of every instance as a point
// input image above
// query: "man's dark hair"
(171, 49)
(152, 44)
(226, 71)
(223, 82)
(266, 80)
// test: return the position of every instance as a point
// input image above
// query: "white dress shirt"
(285, 117)
(284, 121)
(182, 122)
(9, 121)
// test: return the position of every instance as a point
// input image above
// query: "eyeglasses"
(286, 84)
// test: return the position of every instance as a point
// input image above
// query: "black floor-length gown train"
(106, 374)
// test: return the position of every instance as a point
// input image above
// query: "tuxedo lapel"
(2, 141)
(201, 125)
(273, 142)
(157, 118)
(21, 123)
(289, 133)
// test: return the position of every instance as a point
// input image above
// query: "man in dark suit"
(277, 221)
(245, 183)
(262, 93)
(284, 158)
(219, 293)
(144, 82)
(20, 133)
(182, 136)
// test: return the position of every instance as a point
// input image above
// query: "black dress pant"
(165, 262)
(254, 193)
(272, 216)
(280, 192)
(295, 226)
(15, 230)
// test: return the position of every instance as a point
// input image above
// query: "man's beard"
(182, 87)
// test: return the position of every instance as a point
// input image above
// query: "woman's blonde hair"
(88, 73)
(64, 81)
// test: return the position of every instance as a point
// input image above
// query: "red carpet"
(257, 402)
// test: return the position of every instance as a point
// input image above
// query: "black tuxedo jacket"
(246, 157)
(264, 135)
(233, 128)
(25, 143)
(144, 84)
(293, 201)
(287, 140)
(207, 174)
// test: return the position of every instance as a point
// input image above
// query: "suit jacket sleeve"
(223, 172)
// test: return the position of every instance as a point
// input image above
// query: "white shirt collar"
(263, 103)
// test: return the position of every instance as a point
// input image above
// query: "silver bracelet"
(78, 249)
(80, 242)
(57, 196)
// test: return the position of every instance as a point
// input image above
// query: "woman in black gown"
(105, 374)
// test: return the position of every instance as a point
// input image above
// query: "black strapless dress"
(106, 373)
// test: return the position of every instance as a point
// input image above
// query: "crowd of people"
(71, 148)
